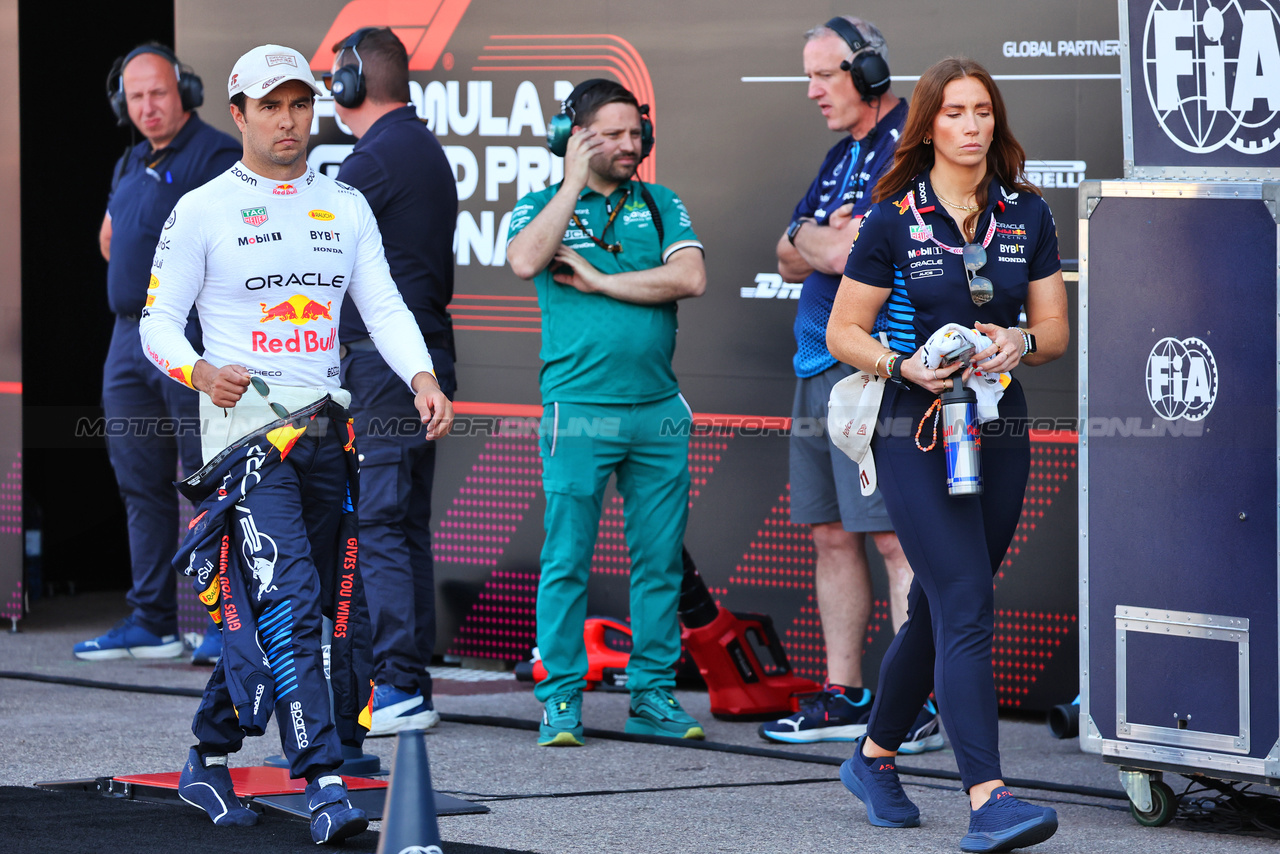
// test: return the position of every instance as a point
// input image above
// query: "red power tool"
(608, 644)
(739, 655)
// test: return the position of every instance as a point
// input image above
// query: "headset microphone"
(190, 87)
(868, 69)
(560, 128)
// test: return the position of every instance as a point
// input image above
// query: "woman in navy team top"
(957, 236)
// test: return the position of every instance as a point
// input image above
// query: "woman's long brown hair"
(1006, 159)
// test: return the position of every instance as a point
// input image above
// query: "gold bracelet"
(883, 356)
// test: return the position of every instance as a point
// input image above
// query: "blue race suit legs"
(396, 473)
(145, 457)
(286, 528)
(955, 545)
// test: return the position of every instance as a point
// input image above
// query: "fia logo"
(1213, 75)
(1182, 379)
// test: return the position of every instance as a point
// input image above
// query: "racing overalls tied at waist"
(272, 547)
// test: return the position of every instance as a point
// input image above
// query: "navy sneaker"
(128, 640)
(210, 648)
(875, 782)
(926, 733)
(1004, 823)
(395, 710)
(205, 782)
(332, 816)
(562, 721)
(654, 711)
(829, 715)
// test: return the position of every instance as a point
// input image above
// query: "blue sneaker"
(210, 648)
(925, 733)
(395, 710)
(875, 783)
(205, 782)
(128, 640)
(654, 711)
(562, 721)
(1004, 823)
(332, 816)
(828, 715)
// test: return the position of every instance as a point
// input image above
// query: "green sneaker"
(655, 712)
(562, 721)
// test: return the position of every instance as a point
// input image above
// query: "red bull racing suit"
(266, 265)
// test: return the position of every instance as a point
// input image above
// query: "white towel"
(955, 341)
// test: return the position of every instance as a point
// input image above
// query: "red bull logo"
(182, 375)
(298, 310)
(284, 190)
(301, 341)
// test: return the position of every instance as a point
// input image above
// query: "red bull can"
(962, 436)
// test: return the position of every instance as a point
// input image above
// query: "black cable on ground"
(689, 744)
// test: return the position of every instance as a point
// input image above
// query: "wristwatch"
(794, 229)
(1028, 342)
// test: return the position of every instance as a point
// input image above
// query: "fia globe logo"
(1182, 379)
(1212, 71)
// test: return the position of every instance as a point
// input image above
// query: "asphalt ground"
(611, 795)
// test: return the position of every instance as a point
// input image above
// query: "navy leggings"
(955, 545)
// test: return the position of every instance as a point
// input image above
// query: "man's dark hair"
(239, 99)
(386, 66)
(600, 95)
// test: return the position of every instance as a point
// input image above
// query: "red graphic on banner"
(592, 54)
(425, 27)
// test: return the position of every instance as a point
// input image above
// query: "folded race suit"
(852, 412)
(954, 341)
(221, 574)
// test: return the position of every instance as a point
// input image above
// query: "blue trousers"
(955, 545)
(287, 530)
(582, 445)
(153, 423)
(396, 472)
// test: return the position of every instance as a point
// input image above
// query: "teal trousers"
(647, 447)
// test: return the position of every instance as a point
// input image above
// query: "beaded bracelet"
(895, 367)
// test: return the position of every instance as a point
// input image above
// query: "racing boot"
(332, 816)
(205, 782)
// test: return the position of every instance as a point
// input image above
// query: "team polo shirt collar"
(180, 140)
(891, 120)
(396, 116)
(587, 192)
(262, 185)
(927, 202)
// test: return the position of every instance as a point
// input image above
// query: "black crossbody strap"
(653, 210)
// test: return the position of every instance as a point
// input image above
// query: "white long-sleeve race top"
(267, 265)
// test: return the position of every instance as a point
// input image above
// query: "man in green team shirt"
(609, 257)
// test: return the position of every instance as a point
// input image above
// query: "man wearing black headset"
(402, 171)
(610, 256)
(846, 61)
(151, 89)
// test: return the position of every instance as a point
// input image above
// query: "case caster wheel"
(1163, 806)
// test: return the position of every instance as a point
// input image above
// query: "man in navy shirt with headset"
(150, 88)
(402, 171)
(846, 61)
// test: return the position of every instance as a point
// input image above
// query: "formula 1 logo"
(1182, 379)
(1213, 74)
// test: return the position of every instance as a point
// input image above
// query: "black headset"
(190, 87)
(560, 128)
(348, 85)
(868, 69)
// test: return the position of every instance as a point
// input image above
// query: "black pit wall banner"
(739, 141)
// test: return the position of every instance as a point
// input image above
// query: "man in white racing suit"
(266, 252)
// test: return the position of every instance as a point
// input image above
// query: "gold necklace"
(969, 208)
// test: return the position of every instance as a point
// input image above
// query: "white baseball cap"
(266, 67)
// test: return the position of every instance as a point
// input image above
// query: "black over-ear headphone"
(868, 69)
(347, 85)
(190, 87)
(560, 128)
